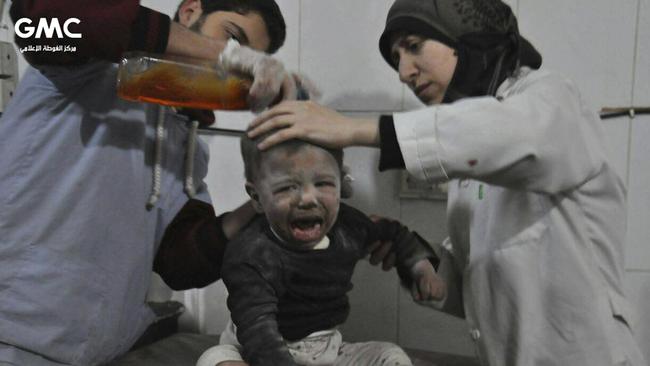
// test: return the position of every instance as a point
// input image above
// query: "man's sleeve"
(107, 28)
(192, 248)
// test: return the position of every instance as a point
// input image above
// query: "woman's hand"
(312, 122)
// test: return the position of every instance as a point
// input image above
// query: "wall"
(603, 45)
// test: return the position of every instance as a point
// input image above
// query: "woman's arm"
(312, 122)
(541, 138)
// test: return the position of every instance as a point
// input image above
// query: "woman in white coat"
(536, 212)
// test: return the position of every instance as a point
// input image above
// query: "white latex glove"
(270, 80)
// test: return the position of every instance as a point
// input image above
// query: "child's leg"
(232, 363)
(372, 354)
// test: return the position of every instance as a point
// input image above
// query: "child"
(289, 271)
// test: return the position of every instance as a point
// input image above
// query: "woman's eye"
(413, 46)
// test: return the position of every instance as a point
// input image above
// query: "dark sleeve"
(253, 304)
(108, 29)
(390, 154)
(409, 247)
(192, 248)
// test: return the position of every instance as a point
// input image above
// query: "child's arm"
(416, 264)
(452, 276)
(253, 301)
(414, 258)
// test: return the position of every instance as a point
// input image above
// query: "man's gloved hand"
(271, 82)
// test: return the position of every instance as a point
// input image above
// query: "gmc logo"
(24, 29)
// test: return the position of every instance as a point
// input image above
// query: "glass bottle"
(181, 82)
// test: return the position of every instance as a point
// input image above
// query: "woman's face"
(425, 65)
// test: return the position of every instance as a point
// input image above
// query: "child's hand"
(426, 283)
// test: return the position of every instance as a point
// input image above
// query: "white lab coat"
(536, 219)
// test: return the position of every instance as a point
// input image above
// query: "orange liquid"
(173, 85)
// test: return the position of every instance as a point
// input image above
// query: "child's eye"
(325, 183)
(287, 188)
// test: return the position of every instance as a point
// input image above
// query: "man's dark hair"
(252, 155)
(267, 9)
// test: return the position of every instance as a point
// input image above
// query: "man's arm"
(193, 245)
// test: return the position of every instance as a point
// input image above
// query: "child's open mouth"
(307, 229)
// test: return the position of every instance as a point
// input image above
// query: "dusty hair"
(253, 156)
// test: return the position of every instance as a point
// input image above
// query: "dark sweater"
(278, 293)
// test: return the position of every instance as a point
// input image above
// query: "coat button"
(475, 334)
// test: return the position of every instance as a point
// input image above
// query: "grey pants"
(322, 348)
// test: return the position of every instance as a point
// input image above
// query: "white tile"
(427, 329)
(589, 41)
(373, 305)
(374, 192)
(206, 310)
(514, 5)
(373, 299)
(421, 327)
(638, 229)
(642, 79)
(637, 287)
(233, 120)
(339, 50)
(427, 217)
(225, 177)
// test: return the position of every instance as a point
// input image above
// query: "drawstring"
(157, 166)
(188, 186)
(189, 160)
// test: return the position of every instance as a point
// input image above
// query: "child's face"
(299, 192)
